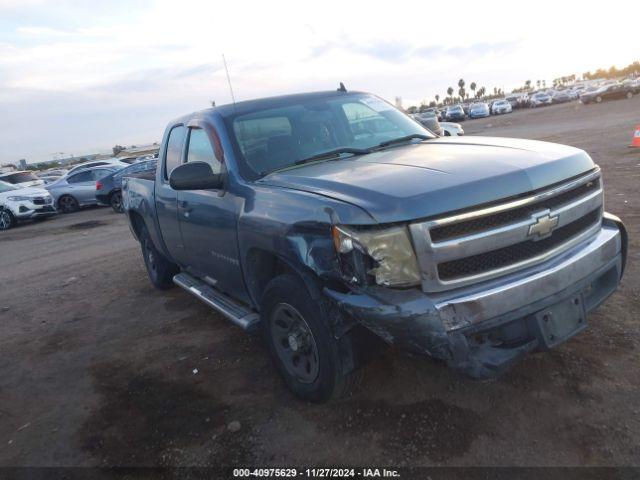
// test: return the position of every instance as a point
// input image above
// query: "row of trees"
(632, 69)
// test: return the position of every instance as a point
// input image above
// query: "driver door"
(208, 221)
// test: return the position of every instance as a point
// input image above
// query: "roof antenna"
(228, 79)
(342, 88)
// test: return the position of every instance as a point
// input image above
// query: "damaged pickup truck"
(319, 218)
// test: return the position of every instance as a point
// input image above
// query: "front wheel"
(68, 204)
(305, 352)
(159, 269)
(629, 94)
(598, 99)
(116, 202)
(6, 219)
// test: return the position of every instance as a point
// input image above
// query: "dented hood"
(437, 176)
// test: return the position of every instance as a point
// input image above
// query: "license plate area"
(561, 321)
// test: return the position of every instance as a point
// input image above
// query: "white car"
(23, 203)
(501, 106)
(22, 179)
(452, 129)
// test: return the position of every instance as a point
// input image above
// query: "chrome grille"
(473, 246)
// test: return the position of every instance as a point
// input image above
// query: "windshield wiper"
(402, 139)
(322, 156)
(332, 154)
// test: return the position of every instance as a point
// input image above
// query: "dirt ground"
(98, 368)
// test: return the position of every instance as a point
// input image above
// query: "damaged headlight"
(385, 254)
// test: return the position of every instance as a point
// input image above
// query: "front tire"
(7, 219)
(116, 202)
(68, 204)
(159, 269)
(598, 99)
(629, 94)
(300, 343)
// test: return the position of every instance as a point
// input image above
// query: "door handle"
(184, 206)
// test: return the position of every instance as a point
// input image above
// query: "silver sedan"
(78, 189)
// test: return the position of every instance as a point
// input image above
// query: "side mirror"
(195, 176)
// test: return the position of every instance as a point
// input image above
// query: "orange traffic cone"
(635, 141)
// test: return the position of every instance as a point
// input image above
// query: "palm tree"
(450, 91)
(461, 92)
(538, 83)
(437, 98)
(473, 87)
(527, 84)
(461, 83)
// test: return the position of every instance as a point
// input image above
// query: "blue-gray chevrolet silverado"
(321, 218)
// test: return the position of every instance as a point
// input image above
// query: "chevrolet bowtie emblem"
(543, 225)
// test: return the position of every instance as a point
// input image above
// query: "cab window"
(173, 156)
(200, 149)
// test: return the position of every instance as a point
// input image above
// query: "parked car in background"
(501, 106)
(479, 110)
(607, 92)
(50, 176)
(23, 203)
(451, 129)
(78, 189)
(514, 101)
(115, 162)
(561, 96)
(429, 120)
(24, 178)
(455, 113)
(539, 99)
(109, 187)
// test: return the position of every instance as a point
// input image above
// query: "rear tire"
(301, 345)
(629, 94)
(598, 99)
(68, 204)
(7, 219)
(159, 269)
(116, 202)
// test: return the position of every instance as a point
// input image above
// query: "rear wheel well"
(137, 222)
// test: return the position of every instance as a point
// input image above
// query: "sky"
(81, 76)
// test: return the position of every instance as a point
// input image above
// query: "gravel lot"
(98, 368)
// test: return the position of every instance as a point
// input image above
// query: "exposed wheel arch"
(261, 267)
(137, 223)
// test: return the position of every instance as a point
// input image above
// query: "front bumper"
(30, 211)
(481, 330)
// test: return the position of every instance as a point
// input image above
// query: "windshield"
(273, 138)
(6, 187)
(20, 177)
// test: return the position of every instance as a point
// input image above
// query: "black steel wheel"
(68, 204)
(159, 269)
(307, 355)
(116, 202)
(6, 219)
(294, 343)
